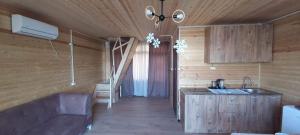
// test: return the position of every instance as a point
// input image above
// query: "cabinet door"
(221, 44)
(211, 113)
(263, 113)
(232, 112)
(238, 43)
(201, 113)
(265, 41)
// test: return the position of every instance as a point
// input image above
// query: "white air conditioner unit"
(30, 27)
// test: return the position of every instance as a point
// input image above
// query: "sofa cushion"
(75, 103)
(17, 120)
(61, 125)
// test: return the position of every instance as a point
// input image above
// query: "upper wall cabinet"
(245, 43)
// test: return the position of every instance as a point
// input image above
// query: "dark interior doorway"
(158, 81)
(174, 81)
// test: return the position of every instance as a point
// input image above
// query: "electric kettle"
(220, 83)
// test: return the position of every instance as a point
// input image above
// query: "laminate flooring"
(136, 116)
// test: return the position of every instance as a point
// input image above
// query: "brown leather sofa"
(59, 114)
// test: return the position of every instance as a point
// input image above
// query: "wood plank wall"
(193, 72)
(283, 74)
(30, 68)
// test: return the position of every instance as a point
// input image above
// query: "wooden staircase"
(102, 93)
(106, 92)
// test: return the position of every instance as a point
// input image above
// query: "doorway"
(155, 79)
(174, 81)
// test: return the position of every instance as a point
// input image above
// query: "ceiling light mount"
(161, 18)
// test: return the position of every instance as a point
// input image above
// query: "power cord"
(54, 49)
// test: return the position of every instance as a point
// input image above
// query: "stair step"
(102, 96)
(102, 87)
(102, 93)
(102, 100)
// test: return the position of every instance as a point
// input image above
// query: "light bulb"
(148, 12)
(179, 16)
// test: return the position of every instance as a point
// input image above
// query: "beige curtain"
(140, 70)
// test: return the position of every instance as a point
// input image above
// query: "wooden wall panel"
(31, 69)
(195, 73)
(283, 74)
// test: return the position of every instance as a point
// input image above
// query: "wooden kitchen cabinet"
(231, 113)
(200, 114)
(246, 43)
(210, 113)
(249, 113)
(263, 112)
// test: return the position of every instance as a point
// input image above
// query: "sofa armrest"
(75, 103)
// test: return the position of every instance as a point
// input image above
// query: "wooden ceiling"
(113, 18)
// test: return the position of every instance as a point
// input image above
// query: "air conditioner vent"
(30, 27)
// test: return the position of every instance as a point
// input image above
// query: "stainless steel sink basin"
(228, 91)
(254, 91)
(238, 91)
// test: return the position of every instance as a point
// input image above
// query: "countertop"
(205, 91)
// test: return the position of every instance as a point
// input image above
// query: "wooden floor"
(136, 116)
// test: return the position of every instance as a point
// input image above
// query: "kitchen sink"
(255, 91)
(238, 91)
(228, 91)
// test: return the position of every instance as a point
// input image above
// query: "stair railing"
(115, 74)
(111, 83)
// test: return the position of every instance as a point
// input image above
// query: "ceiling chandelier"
(177, 16)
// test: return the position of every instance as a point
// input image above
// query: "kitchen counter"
(205, 91)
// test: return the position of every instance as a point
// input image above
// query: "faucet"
(247, 82)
